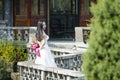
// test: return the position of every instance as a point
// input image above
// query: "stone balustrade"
(30, 71)
(69, 66)
(60, 51)
(69, 61)
(65, 58)
(15, 33)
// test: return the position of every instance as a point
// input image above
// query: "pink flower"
(34, 47)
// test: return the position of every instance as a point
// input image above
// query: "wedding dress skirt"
(46, 58)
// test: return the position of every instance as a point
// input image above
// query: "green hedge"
(102, 59)
(9, 56)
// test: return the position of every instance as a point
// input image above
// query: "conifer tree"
(102, 59)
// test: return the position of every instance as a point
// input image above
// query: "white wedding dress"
(46, 58)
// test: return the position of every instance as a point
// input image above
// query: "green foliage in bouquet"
(9, 55)
(102, 59)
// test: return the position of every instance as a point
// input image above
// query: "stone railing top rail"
(69, 55)
(16, 27)
(87, 28)
(67, 44)
(69, 51)
(30, 64)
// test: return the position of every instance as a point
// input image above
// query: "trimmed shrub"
(102, 59)
(9, 56)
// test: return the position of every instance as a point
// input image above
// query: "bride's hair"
(39, 32)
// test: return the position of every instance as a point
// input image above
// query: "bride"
(45, 58)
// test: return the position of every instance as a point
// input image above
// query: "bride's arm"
(42, 43)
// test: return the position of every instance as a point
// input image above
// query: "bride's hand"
(37, 49)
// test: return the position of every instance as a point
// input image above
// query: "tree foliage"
(102, 59)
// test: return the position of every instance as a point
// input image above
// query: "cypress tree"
(102, 59)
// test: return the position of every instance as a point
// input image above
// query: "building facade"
(61, 16)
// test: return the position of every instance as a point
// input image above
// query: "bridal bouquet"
(34, 47)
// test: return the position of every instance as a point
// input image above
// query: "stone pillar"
(48, 16)
(78, 34)
(82, 34)
(8, 12)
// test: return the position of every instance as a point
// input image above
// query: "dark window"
(1, 9)
(64, 6)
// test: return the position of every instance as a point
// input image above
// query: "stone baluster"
(47, 76)
(9, 37)
(12, 35)
(62, 63)
(34, 74)
(63, 76)
(3, 33)
(58, 76)
(19, 35)
(53, 75)
(20, 70)
(66, 61)
(31, 55)
(26, 37)
(40, 76)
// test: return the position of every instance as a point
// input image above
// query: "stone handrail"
(30, 71)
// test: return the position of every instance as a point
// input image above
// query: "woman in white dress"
(45, 58)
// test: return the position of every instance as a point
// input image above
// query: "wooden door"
(20, 13)
(29, 12)
(85, 14)
(38, 11)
